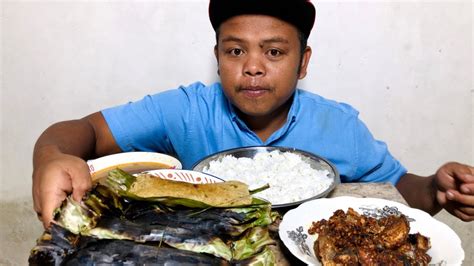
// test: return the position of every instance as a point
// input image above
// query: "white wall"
(405, 65)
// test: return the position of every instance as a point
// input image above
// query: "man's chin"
(253, 112)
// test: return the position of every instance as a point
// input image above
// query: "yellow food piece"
(224, 194)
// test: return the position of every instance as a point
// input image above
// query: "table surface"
(368, 190)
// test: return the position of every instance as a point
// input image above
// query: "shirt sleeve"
(374, 163)
(144, 125)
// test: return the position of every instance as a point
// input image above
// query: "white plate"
(445, 249)
(131, 162)
(185, 176)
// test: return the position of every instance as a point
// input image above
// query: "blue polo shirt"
(193, 122)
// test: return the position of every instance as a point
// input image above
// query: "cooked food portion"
(230, 193)
(153, 188)
(115, 226)
(59, 247)
(290, 175)
(115, 252)
(355, 239)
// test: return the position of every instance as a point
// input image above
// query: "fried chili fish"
(349, 238)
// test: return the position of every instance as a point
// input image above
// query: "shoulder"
(187, 94)
(199, 89)
(192, 92)
(309, 100)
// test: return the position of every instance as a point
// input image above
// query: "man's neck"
(265, 126)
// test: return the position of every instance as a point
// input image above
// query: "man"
(261, 53)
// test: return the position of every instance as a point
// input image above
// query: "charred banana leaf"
(116, 252)
(255, 240)
(80, 217)
(264, 258)
(114, 226)
(216, 221)
(185, 239)
(53, 247)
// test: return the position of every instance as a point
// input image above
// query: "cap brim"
(300, 13)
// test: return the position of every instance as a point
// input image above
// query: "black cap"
(300, 13)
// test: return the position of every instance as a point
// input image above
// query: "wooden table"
(363, 190)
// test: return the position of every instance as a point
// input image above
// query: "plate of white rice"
(294, 176)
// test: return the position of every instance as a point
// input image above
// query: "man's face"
(259, 58)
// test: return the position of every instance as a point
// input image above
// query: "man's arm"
(86, 138)
(59, 166)
(451, 188)
(419, 192)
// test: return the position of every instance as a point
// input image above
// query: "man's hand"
(455, 190)
(58, 169)
(59, 176)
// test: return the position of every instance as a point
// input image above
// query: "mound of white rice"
(290, 178)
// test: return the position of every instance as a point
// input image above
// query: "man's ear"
(304, 62)
(216, 54)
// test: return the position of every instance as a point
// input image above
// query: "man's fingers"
(445, 180)
(466, 177)
(53, 196)
(51, 201)
(55, 180)
(467, 188)
(464, 199)
(463, 215)
(469, 211)
(455, 176)
(80, 185)
(441, 198)
(36, 197)
(36, 205)
(460, 172)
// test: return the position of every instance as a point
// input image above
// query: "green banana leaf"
(254, 241)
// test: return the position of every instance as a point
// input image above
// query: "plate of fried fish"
(361, 231)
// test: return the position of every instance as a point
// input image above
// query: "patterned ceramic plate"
(445, 249)
(185, 176)
(132, 162)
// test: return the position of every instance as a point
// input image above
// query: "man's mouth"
(253, 91)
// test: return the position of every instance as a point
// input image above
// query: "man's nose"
(254, 66)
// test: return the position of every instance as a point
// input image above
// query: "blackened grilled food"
(115, 227)
(352, 239)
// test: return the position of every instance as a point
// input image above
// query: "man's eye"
(274, 52)
(236, 52)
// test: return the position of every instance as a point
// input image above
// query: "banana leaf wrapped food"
(147, 220)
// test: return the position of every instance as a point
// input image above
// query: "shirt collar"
(295, 106)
